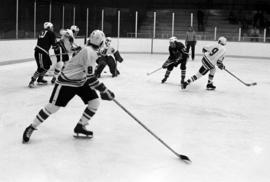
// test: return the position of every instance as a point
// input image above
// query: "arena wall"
(16, 51)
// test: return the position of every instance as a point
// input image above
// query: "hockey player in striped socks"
(178, 55)
(213, 55)
(76, 78)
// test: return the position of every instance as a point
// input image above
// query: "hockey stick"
(182, 157)
(160, 68)
(247, 84)
(153, 71)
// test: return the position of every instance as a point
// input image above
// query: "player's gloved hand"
(167, 63)
(107, 95)
(220, 65)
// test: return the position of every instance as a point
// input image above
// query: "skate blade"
(41, 84)
(210, 89)
(83, 136)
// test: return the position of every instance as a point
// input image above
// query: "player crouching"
(108, 56)
(76, 78)
(213, 55)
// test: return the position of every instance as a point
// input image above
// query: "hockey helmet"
(97, 38)
(222, 41)
(47, 25)
(75, 29)
(172, 39)
(67, 34)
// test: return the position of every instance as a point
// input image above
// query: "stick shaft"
(154, 71)
(154, 135)
(235, 77)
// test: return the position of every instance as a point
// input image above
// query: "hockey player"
(46, 39)
(76, 78)
(106, 58)
(178, 55)
(213, 55)
(75, 48)
(65, 45)
(75, 29)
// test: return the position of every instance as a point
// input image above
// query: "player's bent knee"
(59, 65)
(93, 105)
(52, 108)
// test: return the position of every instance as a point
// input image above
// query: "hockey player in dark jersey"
(46, 39)
(109, 56)
(65, 45)
(178, 55)
(76, 78)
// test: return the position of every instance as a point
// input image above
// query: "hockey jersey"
(79, 68)
(61, 52)
(213, 54)
(46, 39)
(107, 50)
(179, 51)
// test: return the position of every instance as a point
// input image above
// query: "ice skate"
(164, 80)
(31, 83)
(80, 129)
(184, 85)
(41, 81)
(210, 86)
(27, 133)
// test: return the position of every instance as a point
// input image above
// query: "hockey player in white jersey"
(108, 56)
(75, 47)
(76, 78)
(64, 47)
(213, 55)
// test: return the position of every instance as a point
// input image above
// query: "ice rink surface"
(226, 132)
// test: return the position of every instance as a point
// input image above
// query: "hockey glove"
(167, 63)
(220, 65)
(105, 93)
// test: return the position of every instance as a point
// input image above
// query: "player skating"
(76, 78)
(178, 55)
(65, 45)
(109, 56)
(75, 47)
(213, 55)
(46, 39)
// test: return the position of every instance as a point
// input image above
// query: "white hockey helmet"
(74, 28)
(172, 39)
(67, 34)
(97, 38)
(47, 25)
(222, 40)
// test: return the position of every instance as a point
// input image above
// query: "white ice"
(226, 133)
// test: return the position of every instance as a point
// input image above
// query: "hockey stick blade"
(251, 84)
(184, 158)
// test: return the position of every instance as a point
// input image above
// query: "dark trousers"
(106, 60)
(191, 44)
